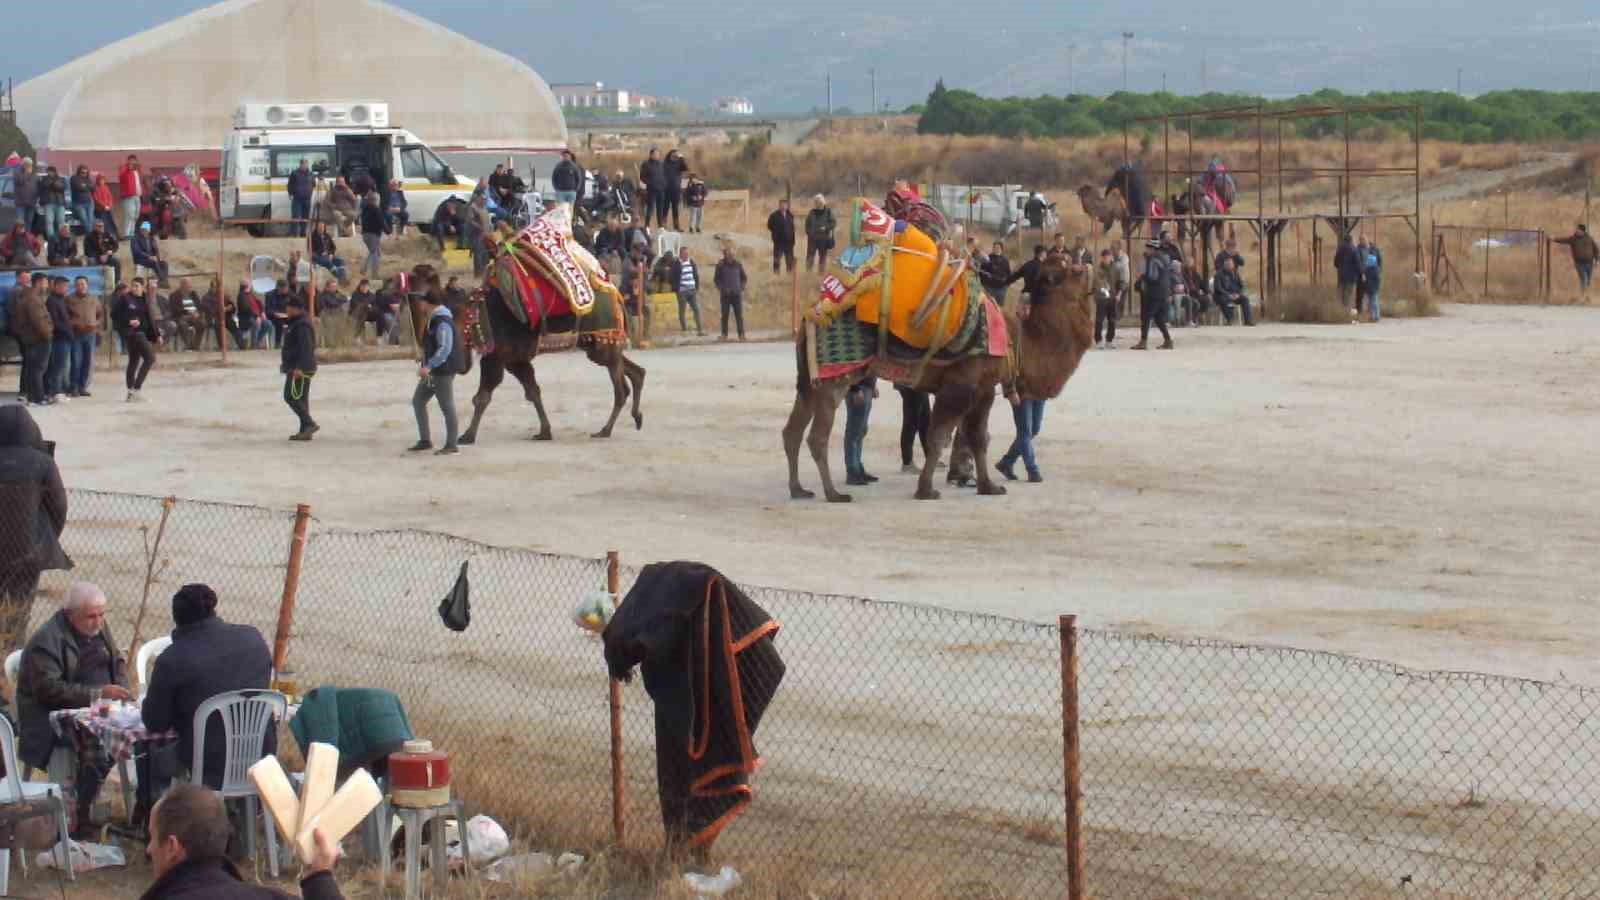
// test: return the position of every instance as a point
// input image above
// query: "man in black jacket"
(730, 280)
(567, 179)
(781, 226)
(302, 183)
(60, 340)
(1229, 291)
(208, 657)
(996, 273)
(820, 225)
(652, 180)
(1347, 265)
(672, 171)
(299, 366)
(1028, 272)
(188, 849)
(100, 249)
(132, 321)
(33, 512)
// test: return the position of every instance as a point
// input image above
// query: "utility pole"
(1163, 82)
(829, 77)
(1458, 81)
(1072, 50)
(1203, 70)
(1126, 37)
(874, 74)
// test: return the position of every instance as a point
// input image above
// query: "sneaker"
(446, 451)
(85, 394)
(59, 398)
(871, 479)
(1035, 478)
(420, 446)
(910, 470)
(1009, 472)
(1165, 346)
(300, 436)
(133, 396)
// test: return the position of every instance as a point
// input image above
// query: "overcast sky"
(781, 55)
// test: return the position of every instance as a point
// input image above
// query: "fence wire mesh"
(919, 751)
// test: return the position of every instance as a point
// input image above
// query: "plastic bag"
(84, 856)
(594, 611)
(488, 840)
(526, 866)
(713, 885)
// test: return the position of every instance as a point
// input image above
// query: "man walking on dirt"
(1155, 289)
(1584, 252)
(299, 366)
(443, 357)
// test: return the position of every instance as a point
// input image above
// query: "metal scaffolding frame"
(1268, 225)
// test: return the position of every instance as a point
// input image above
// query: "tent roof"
(176, 86)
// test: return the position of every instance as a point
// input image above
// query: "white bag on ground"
(489, 841)
(529, 866)
(85, 857)
(713, 885)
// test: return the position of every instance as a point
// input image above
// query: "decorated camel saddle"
(549, 281)
(897, 300)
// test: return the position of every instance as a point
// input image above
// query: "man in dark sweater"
(730, 280)
(299, 366)
(781, 226)
(56, 382)
(1028, 272)
(132, 321)
(673, 169)
(652, 179)
(34, 330)
(996, 273)
(1228, 292)
(302, 183)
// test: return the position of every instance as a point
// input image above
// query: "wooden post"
(613, 585)
(1070, 756)
(222, 288)
(291, 588)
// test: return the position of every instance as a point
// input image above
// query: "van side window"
(412, 164)
(286, 161)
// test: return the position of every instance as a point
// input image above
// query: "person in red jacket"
(131, 179)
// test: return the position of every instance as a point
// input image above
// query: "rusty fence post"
(613, 585)
(1070, 757)
(291, 588)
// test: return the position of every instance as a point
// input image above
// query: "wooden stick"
(613, 585)
(152, 553)
(1070, 756)
(291, 588)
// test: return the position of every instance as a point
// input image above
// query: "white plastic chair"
(145, 659)
(13, 666)
(14, 790)
(247, 716)
(62, 759)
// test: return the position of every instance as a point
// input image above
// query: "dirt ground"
(1419, 491)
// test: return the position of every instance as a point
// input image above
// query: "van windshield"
(417, 161)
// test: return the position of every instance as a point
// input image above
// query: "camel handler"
(443, 358)
(299, 365)
(1584, 252)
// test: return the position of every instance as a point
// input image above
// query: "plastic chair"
(247, 716)
(14, 790)
(145, 659)
(13, 666)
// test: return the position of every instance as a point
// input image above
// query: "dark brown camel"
(516, 345)
(1051, 342)
(1107, 210)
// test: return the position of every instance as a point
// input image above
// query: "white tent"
(176, 86)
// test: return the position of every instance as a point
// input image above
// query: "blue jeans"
(1029, 416)
(85, 213)
(333, 264)
(300, 208)
(1372, 303)
(83, 347)
(855, 429)
(1585, 274)
(568, 197)
(55, 215)
(60, 365)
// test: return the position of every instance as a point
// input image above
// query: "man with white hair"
(820, 225)
(69, 663)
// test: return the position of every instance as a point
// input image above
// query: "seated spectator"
(208, 657)
(329, 300)
(396, 210)
(612, 240)
(325, 252)
(1229, 291)
(247, 305)
(21, 248)
(100, 248)
(454, 295)
(69, 663)
(189, 832)
(447, 223)
(384, 311)
(187, 322)
(277, 310)
(64, 248)
(146, 249)
(214, 306)
(342, 206)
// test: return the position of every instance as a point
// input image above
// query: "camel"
(1194, 199)
(1049, 344)
(1107, 210)
(516, 345)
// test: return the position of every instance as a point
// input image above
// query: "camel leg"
(825, 402)
(635, 375)
(976, 427)
(491, 371)
(950, 404)
(612, 361)
(794, 433)
(522, 370)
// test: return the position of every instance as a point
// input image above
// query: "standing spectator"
(1028, 274)
(731, 280)
(478, 226)
(132, 320)
(672, 171)
(103, 204)
(858, 410)
(130, 179)
(916, 415)
(1228, 292)
(396, 210)
(1372, 279)
(25, 192)
(1107, 294)
(53, 201)
(995, 273)
(447, 223)
(302, 184)
(1033, 212)
(33, 512)
(100, 248)
(146, 250)
(1080, 255)
(567, 179)
(21, 248)
(325, 251)
(87, 316)
(652, 179)
(1154, 291)
(820, 225)
(64, 248)
(686, 279)
(373, 227)
(1348, 267)
(1584, 252)
(299, 365)
(443, 358)
(81, 186)
(276, 307)
(59, 377)
(694, 197)
(781, 226)
(34, 331)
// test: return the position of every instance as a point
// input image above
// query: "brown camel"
(1107, 210)
(516, 345)
(1049, 345)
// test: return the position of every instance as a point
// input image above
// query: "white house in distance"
(595, 95)
(736, 106)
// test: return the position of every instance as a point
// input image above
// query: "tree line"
(1497, 117)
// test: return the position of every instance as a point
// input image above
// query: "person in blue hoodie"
(1372, 277)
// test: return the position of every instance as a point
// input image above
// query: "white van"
(269, 140)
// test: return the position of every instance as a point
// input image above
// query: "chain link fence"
(919, 751)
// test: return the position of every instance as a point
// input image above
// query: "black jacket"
(299, 349)
(1028, 274)
(1227, 283)
(127, 309)
(781, 226)
(33, 501)
(652, 176)
(373, 221)
(301, 184)
(322, 243)
(1346, 264)
(53, 189)
(672, 171)
(98, 245)
(82, 191)
(996, 272)
(730, 277)
(217, 879)
(677, 274)
(60, 320)
(695, 194)
(1238, 261)
(61, 250)
(207, 658)
(566, 176)
(820, 224)
(51, 678)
